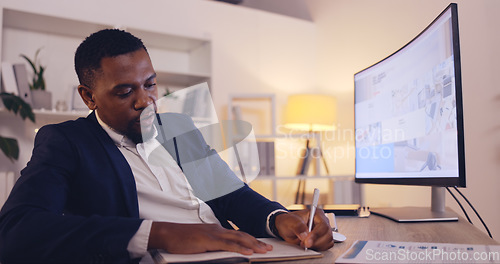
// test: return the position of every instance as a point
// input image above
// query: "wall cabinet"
(180, 61)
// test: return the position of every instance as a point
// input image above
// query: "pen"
(334, 227)
(313, 208)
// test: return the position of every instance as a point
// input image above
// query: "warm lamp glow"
(311, 112)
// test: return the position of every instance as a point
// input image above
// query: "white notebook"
(281, 251)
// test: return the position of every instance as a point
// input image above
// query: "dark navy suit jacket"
(76, 200)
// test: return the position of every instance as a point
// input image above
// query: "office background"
(262, 52)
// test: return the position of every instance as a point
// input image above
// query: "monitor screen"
(408, 111)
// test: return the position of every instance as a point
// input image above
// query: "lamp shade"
(311, 112)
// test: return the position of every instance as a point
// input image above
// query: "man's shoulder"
(76, 126)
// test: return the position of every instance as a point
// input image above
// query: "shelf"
(280, 136)
(41, 113)
(70, 115)
(62, 114)
(48, 24)
(167, 41)
(303, 177)
(179, 60)
(181, 79)
(80, 29)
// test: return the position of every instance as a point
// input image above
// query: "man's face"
(123, 89)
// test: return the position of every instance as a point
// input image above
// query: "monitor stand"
(437, 212)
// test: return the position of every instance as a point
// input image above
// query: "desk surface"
(380, 228)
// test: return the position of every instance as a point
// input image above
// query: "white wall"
(353, 35)
(252, 51)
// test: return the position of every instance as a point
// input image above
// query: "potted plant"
(13, 103)
(41, 98)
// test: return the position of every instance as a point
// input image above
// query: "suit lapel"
(121, 167)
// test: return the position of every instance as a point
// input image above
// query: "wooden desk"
(380, 228)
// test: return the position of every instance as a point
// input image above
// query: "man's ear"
(87, 95)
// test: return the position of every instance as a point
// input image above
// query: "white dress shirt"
(163, 192)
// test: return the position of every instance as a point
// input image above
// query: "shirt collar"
(123, 141)
(119, 139)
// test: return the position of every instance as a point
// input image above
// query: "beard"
(140, 134)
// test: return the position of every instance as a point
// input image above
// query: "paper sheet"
(281, 251)
(414, 252)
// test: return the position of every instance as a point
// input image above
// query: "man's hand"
(197, 238)
(292, 227)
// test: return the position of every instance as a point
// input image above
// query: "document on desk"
(281, 251)
(416, 252)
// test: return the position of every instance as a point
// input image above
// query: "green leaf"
(40, 83)
(17, 105)
(36, 53)
(30, 62)
(10, 148)
(14, 103)
(37, 83)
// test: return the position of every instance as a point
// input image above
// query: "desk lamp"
(312, 113)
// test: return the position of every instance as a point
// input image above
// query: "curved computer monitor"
(409, 115)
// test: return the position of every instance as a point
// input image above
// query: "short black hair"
(102, 44)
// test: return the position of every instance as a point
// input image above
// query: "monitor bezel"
(459, 181)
